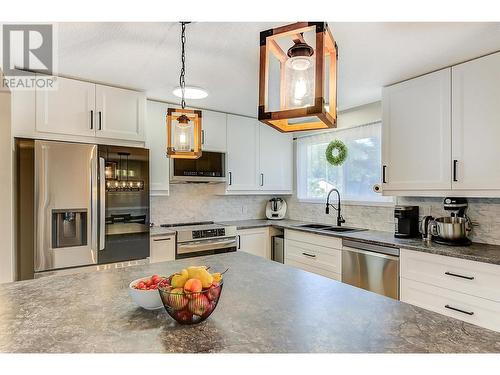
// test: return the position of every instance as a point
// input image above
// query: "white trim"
(350, 202)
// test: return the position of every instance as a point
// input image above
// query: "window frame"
(390, 202)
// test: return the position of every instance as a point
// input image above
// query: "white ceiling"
(223, 57)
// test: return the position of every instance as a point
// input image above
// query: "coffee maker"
(449, 230)
(405, 221)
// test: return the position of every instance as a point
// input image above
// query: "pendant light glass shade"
(183, 133)
(293, 85)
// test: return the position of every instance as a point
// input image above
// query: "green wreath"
(341, 152)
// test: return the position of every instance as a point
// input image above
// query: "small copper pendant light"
(183, 125)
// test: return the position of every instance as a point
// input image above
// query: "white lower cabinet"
(314, 253)
(162, 248)
(255, 241)
(459, 288)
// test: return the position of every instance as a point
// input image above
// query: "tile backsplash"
(203, 202)
(483, 212)
(200, 202)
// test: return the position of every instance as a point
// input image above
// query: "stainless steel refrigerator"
(79, 204)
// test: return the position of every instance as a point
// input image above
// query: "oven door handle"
(191, 247)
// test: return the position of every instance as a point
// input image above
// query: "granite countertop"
(264, 307)
(479, 252)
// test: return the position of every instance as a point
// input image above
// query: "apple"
(184, 316)
(192, 288)
(214, 292)
(177, 299)
(199, 305)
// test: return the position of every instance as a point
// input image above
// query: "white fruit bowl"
(147, 299)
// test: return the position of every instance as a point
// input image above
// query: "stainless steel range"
(203, 238)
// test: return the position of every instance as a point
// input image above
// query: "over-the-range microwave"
(210, 167)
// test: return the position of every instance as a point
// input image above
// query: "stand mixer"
(449, 230)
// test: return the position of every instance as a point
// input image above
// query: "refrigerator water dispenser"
(69, 228)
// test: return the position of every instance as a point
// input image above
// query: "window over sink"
(354, 179)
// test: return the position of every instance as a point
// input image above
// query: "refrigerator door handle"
(102, 204)
(93, 202)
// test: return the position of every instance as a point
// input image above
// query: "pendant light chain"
(182, 81)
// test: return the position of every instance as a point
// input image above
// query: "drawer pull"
(459, 310)
(457, 275)
(309, 255)
(162, 239)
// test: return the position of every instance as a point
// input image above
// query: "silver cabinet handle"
(239, 242)
(262, 179)
(202, 136)
(100, 120)
(460, 276)
(91, 119)
(309, 255)
(102, 207)
(230, 178)
(459, 310)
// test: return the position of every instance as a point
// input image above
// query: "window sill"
(349, 203)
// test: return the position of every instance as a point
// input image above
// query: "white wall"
(6, 187)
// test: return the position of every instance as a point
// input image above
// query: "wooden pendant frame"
(325, 43)
(193, 115)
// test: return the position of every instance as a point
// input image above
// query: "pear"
(217, 277)
(179, 279)
(201, 274)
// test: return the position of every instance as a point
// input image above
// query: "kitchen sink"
(314, 226)
(329, 228)
(342, 229)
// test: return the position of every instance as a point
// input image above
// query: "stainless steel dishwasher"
(371, 267)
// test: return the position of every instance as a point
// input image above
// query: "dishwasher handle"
(370, 247)
(371, 253)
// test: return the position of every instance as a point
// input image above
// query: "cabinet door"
(120, 113)
(255, 241)
(156, 141)
(476, 123)
(276, 157)
(242, 153)
(68, 109)
(213, 126)
(416, 133)
(162, 249)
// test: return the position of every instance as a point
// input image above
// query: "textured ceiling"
(223, 57)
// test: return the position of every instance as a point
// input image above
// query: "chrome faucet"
(340, 219)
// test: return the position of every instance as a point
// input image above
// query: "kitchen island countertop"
(264, 307)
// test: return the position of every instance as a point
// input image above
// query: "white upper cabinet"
(416, 133)
(476, 124)
(68, 109)
(275, 159)
(242, 153)
(213, 125)
(120, 113)
(157, 143)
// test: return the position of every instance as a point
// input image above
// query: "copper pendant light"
(183, 125)
(300, 76)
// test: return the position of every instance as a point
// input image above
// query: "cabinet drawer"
(316, 270)
(162, 249)
(479, 311)
(313, 255)
(464, 276)
(315, 239)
